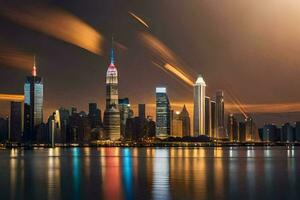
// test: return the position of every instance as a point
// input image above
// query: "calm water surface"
(151, 173)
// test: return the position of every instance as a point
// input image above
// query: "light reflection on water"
(151, 173)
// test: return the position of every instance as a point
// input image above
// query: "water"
(151, 173)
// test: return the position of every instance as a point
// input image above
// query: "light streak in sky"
(164, 55)
(16, 58)
(11, 97)
(57, 23)
(140, 20)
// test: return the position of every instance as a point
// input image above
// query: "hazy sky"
(249, 47)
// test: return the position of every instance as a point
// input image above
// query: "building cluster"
(287, 133)
(26, 124)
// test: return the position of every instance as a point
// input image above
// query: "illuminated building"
(220, 128)
(199, 107)
(163, 121)
(213, 118)
(142, 111)
(207, 117)
(232, 129)
(15, 130)
(177, 124)
(186, 122)
(94, 115)
(33, 105)
(125, 113)
(112, 114)
(251, 132)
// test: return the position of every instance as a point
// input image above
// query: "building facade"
(163, 113)
(220, 128)
(15, 122)
(33, 105)
(232, 129)
(199, 106)
(112, 114)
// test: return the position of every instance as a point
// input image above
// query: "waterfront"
(151, 173)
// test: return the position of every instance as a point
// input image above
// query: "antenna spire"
(34, 66)
(112, 53)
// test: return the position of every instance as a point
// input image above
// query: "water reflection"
(151, 173)
(160, 185)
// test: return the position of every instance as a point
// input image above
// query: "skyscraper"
(112, 113)
(163, 121)
(213, 118)
(186, 122)
(142, 111)
(199, 106)
(207, 117)
(176, 124)
(33, 105)
(232, 129)
(15, 133)
(94, 115)
(251, 132)
(125, 113)
(220, 114)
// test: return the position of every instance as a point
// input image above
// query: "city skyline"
(78, 64)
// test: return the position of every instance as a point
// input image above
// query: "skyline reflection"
(150, 173)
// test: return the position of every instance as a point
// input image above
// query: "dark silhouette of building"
(125, 113)
(221, 133)
(207, 117)
(186, 122)
(3, 129)
(142, 111)
(287, 133)
(15, 133)
(95, 115)
(232, 129)
(213, 118)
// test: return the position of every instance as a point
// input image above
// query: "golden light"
(16, 58)
(11, 97)
(57, 23)
(166, 59)
(140, 20)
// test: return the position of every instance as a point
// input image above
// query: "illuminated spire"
(112, 53)
(34, 67)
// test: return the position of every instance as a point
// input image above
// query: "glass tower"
(163, 118)
(33, 105)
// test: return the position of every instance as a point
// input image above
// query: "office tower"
(251, 132)
(242, 132)
(112, 113)
(213, 118)
(61, 119)
(177, 124)
(15, 131)
(125, 113)
(4, 129)
(220, 128)
(163, 121)
(33, 105)
(151, 130)
(232, 129)
(94, 115)
(269, 133)
(199, 107)
(80, 128)
(297, 131)
(207, 117)
(142, 111)
(287, 133)
(186, 122)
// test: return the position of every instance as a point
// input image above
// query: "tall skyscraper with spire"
(112, 114)
(33, 104)
(199, 106)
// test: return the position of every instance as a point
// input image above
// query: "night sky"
(251, 48)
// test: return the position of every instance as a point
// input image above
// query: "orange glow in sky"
(57, 23)
(11, 97)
